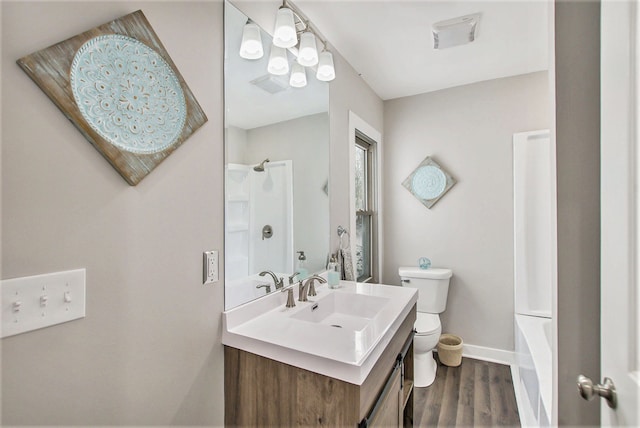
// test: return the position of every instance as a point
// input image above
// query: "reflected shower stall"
(259, 226)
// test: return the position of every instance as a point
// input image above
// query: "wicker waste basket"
(450, 350)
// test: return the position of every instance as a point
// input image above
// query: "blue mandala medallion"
(128, 94)
(428, 182)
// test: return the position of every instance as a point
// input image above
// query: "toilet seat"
(426, 324)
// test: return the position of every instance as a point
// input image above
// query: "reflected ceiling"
(265, 108)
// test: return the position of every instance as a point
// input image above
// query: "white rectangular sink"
(343, 310)
(338, 333)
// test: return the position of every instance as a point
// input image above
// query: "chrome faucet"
(278, 282)
(308, 288)
(312, 287)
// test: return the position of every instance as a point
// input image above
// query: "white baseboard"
(489, 354)
(483, 353)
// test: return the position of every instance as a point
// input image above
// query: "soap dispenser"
(333, 276)
(301, 267)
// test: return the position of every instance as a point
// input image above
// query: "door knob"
(606, 390)
(267, 232)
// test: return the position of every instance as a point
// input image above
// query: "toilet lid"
(427, 323)
(432, 273)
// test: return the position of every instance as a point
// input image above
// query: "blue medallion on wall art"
(429, 182)
(118, 85)
(128, 94)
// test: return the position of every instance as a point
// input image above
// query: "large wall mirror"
(277, 170)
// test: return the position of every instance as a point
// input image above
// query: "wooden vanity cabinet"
(394, 406)
(263, 392)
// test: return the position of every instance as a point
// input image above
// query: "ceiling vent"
(455, 32)
(270, 83)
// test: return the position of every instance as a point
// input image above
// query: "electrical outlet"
(210, 267)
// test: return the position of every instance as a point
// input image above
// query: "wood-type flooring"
(474, 394)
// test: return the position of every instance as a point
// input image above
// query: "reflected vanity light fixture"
(278, 61)
(298, 76)
(285, 34)
(308, 52)
(290, 23)
(251, 47)
(326, 71)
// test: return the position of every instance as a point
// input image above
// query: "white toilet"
(433, 287)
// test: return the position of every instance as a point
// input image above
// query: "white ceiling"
(390, 43)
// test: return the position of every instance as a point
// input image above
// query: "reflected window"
(366, 226)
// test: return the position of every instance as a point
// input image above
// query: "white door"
(620, 295)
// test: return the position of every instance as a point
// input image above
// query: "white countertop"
(265, 327)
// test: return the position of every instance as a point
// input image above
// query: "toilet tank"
(432, 285)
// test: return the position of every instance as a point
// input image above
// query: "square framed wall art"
(118, 85)
(429, 182)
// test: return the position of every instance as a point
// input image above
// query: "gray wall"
(468, 130)
(305, 141)
(578, 155)
(148, 351)
(349, 92)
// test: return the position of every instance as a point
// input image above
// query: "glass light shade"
(298, 77)
(308, 52)
(278, 61)
(326, 71)
(251, 47)
(284, 35)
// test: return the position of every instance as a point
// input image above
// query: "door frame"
(620, 304)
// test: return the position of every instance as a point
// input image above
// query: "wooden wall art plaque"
(117, 84)
(429, 182)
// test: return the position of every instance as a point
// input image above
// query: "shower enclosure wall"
(257, 200)
(535, 269)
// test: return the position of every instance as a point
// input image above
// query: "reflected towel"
(346, 265)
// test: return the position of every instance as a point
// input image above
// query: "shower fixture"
(260, 168)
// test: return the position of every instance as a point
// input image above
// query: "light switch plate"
(33, 302)
(210, 267)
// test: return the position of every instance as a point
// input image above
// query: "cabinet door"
(389, 413)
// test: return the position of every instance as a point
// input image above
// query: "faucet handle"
(290, 300)
(265, 286)
(293, 276)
